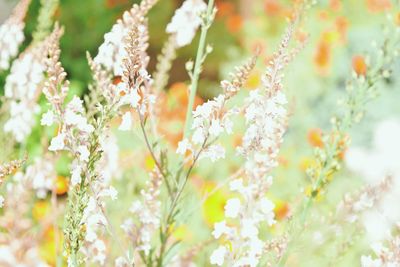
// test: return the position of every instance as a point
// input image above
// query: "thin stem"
(197, 67)
(159, 167)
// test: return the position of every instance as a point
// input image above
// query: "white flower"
(215, 129)
(57, 143)
(76, 105)
(214, 153)
(1, 201)
(83, 153)
(76, 175)
(186, 20)
(218, 256)
(183, 146)
(47, 118)
(109, 192)
(367, 261)
(249, 229)
(11, 36)
(220, 229)
(232, 208)
(126, 123)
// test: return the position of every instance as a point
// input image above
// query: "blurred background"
(339, 34)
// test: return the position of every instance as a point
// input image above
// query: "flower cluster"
(386, 256)
(372, 165)
(12, 35)
(266, 119)
(112, 52)
(147, 215)
(213, 118)
(23, 89)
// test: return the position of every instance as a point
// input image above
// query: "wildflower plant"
(103, 186)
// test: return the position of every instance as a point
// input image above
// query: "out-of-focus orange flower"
(342, 25)
(114, 3)
(359, 65)
(378, 5)
(234, 23)
(335, 5)
(40, 209)
(322, 57)
(272, 8)
(397, 19)
(283, 161)
(323, 15)
(225, 8)
(172, 113)
(281, 209)
(314, 137)
(61, 185)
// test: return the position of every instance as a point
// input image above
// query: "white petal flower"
(232, 208)
(83, 153)
(76, 177)
(186, 20)
(47, 118)
(1, 201)
(57, 143)
(218, 256)
(215, 128)
(183, 146)
(367, 261)
(220, 229)
(126, 123)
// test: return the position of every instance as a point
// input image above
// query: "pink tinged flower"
(218, 256)
(183, 146)
(232, 208)
(76, 176)
(214, 153)
(220, 229)
(76, 105)
(47, 118)
(1, 201)
(109, 192)
(57, 143)
(126, 123)
(83, 153)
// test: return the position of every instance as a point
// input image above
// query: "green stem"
(197, 66)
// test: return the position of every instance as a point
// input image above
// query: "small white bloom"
(126, 123)
(215, 128)
(1, 201)
(183, 146)
(186, 20)
(47, 118)
(220, 229)
(232, 208)
(218, 256)
(249, 229)
(76, 176)
(57, 143)
(83, 153)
